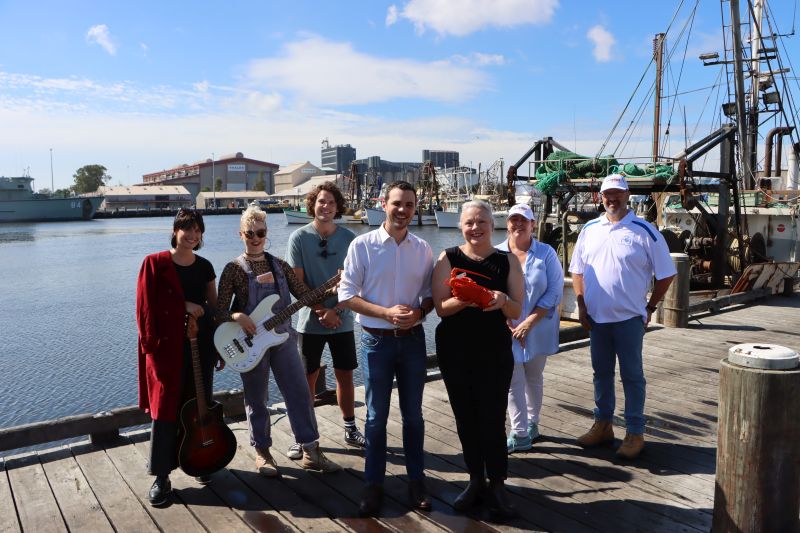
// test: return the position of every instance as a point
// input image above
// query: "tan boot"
(265, 464)
(602, 432)
(631, 447)
(314, 459)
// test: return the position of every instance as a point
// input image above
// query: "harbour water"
(67, 319)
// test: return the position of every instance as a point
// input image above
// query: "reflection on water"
(67, 319)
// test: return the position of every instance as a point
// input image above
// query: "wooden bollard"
(758, 457)
(676, 301)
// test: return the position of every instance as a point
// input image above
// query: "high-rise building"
(441, 158)
(337, 158)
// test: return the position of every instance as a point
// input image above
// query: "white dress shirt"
(385, 273)
(618, 263)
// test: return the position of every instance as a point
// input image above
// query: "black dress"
(475, 358)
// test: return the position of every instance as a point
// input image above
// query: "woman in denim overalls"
(244, 283)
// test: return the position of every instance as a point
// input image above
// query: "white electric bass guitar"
(242, 352)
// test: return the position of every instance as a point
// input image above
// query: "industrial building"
(337, 159)
(441, 158)
(293, 175)
(137, 198)
(233, 172)
(229, 199)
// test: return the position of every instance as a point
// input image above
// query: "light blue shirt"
(544, 286)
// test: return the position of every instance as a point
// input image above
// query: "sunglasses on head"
(250, 234)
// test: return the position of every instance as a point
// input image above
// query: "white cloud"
(322, 72)
(481, 60)
(99, 34)
(391, 15)
(462, 17)
(603, 42)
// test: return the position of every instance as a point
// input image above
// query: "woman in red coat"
(172, 285)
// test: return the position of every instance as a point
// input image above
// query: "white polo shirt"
(618, 263)
(385, 273)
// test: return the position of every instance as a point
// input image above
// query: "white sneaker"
(295, 451)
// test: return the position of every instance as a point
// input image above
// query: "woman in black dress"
(473, 345)
(173, 285)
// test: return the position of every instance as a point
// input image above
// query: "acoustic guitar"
(242, 352)
(205, 443)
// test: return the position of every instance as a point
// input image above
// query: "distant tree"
(205, 189)
(218, 185)
(89, 178)
(62, 193)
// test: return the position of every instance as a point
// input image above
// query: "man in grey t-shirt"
(316, 252)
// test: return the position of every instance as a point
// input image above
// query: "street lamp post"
(213, 181)
(52, 183)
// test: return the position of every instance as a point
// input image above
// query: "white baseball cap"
(614, 181)
(521, 209)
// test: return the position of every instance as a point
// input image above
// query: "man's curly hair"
(311, 198)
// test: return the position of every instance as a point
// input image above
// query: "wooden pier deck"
(557, 486)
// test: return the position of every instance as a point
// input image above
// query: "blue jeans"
(384, 358)
(621, 340)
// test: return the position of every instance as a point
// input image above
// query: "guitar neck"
(301, 302)
(199, 387)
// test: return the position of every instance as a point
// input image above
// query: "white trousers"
(525, 394)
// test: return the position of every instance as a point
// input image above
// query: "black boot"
(497, 497)
(470, 496)
(160, 491)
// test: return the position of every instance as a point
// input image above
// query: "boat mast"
(658, 53)
(756, 47)
(741, 116)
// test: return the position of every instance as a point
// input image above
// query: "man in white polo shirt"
(387, 282)
(614, 262)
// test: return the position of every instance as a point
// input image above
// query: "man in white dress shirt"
(616, 257)
(387, 282)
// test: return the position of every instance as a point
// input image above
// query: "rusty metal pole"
(758, 458)
(676, 301)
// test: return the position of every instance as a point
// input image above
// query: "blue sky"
(142, 86)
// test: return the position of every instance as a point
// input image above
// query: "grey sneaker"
(314, 459)
(265, 464)
(355, 438)
(295, 451)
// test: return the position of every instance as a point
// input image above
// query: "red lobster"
(465, 289)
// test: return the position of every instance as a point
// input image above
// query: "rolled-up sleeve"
(555, 282)
(352, 279)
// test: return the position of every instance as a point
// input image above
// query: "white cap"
(614, 181)
(521, 209)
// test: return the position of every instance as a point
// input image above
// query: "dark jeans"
(384, 358)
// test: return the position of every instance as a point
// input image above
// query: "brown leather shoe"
(265, 464)
(418, 495)
(602, 432)
(631, 447)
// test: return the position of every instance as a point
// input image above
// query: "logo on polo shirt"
(627, 240)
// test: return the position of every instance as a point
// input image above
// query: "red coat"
(160, 312)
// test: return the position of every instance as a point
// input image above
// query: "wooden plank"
(36, 505)
(328, 421)
(201, 501)
(343, 489)
(264, 497)
(9, 522)
(120, 504)
(77, 502)
(173, 517)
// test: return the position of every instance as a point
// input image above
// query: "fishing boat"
(18, 203)
(294, 216)
(710, 200)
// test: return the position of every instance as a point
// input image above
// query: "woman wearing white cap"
(535, 332)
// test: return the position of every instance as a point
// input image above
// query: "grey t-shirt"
(304, 251)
